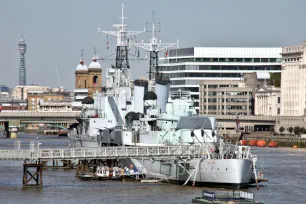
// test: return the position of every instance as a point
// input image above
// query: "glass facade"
(241, 60)
(221, 67)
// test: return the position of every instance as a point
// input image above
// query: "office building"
(49, 101)
(293, 80)
(186, 67)
(21, 92)
(225, 97)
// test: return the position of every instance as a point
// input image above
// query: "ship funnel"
(162, 91)
(140, 90)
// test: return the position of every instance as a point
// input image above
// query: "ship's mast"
(122, 69)
(154, 47)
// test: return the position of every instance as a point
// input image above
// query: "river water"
(284, 167)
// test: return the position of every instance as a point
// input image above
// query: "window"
(85, 83)
(95, 80)
(278, 100)
(264, 59)
(278, 111)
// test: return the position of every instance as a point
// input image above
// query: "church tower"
(94, 76)
(81, 75)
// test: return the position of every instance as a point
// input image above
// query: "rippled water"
(284, 167)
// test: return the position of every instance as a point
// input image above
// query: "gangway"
(193, 151)
(35, 158)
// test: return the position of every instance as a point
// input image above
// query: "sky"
(55, 31)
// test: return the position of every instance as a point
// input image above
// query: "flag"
(107, 46)
(166, 54)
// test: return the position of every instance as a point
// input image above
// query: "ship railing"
(120, 152)
(13, 154)
(237, 151)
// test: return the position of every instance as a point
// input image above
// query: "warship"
(147, 114)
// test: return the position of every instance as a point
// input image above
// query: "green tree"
(271, 129)
(290, 129)
(275, 79)
(296, 130)
(281, 129)
(302, 130)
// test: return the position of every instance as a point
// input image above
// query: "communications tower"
(22, 47)
(122, 69)
(154, 46)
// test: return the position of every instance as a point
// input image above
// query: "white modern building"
(186, 67)
(268, 101)
(79, 95)
(293, 80)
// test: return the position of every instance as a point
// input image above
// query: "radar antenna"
(154, 47)
(122, 67)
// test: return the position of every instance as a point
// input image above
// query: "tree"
(302, 130)
(281, 129)
(275, 79)
(271, 129)
(290, 129)
(296, 130)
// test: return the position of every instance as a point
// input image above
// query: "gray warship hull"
(235, 173)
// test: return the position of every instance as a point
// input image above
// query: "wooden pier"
(32, 174)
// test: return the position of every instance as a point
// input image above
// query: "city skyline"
(56, 31)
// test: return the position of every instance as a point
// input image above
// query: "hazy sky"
(56, 30)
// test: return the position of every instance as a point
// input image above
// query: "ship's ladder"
(193, 173)
(254, 160)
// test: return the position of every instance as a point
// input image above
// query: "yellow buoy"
(295, 146)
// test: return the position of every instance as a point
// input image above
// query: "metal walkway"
(193, 151)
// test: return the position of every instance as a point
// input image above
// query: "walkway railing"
(103, 153)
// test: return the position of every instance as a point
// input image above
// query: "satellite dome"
(150, 96)
(133, 116)
(81, 66)
(88, 100)
(94, 64)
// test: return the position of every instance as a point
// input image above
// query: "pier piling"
(29, 175)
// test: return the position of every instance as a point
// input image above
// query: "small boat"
(226, 197)
(86, 176)
(104, 172)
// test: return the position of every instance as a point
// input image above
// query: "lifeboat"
(261, 143)
(272, 144)
(253, 143)
(243, 142)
